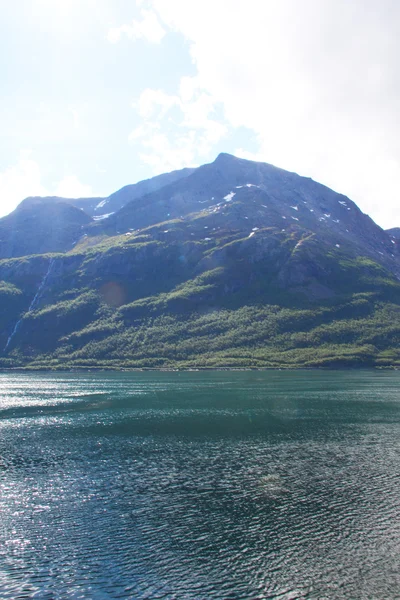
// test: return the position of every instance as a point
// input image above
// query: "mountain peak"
(229, 160)
(226, 159)
(34, 201)
(224, 156)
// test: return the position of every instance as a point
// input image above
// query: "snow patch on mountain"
(101, 217)
(229, 196)
(101, 204)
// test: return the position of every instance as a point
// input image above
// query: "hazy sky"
(97, 94)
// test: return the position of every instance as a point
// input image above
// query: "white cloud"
(71, 187)
(155, 101)
(145, 131)
(243, 153)
(178, 130)
(25, 179)
(148, 28)
(316, 81)
(74, 112)
(164, 155)
(19, 181)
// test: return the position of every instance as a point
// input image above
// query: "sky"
(97, 94)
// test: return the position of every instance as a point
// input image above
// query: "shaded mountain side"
(129, 193)
(269, 196)
(86, 204)
(394, 233)
(41, 225)
(54, 224)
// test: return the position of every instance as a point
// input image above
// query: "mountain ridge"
(232, 264)
(94, 206)
(282, 189)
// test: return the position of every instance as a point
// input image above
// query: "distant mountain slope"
(98, 207)
(44, 224)
(86, 204)
(40, 225)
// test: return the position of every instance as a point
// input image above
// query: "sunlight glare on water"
(200, 485)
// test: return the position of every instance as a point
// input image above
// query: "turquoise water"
(198, 485)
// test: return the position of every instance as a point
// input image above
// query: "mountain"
(50, 224)
(100, 208)
(394, 233)
(265, 195)
(233, 264)
(40, 225)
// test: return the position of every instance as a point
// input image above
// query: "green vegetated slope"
(185, 294)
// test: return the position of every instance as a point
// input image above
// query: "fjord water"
(234, 485)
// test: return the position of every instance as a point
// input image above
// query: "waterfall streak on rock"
(32, 305)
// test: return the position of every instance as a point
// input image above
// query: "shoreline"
(192, 370)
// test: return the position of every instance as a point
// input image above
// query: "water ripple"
(198, 486)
